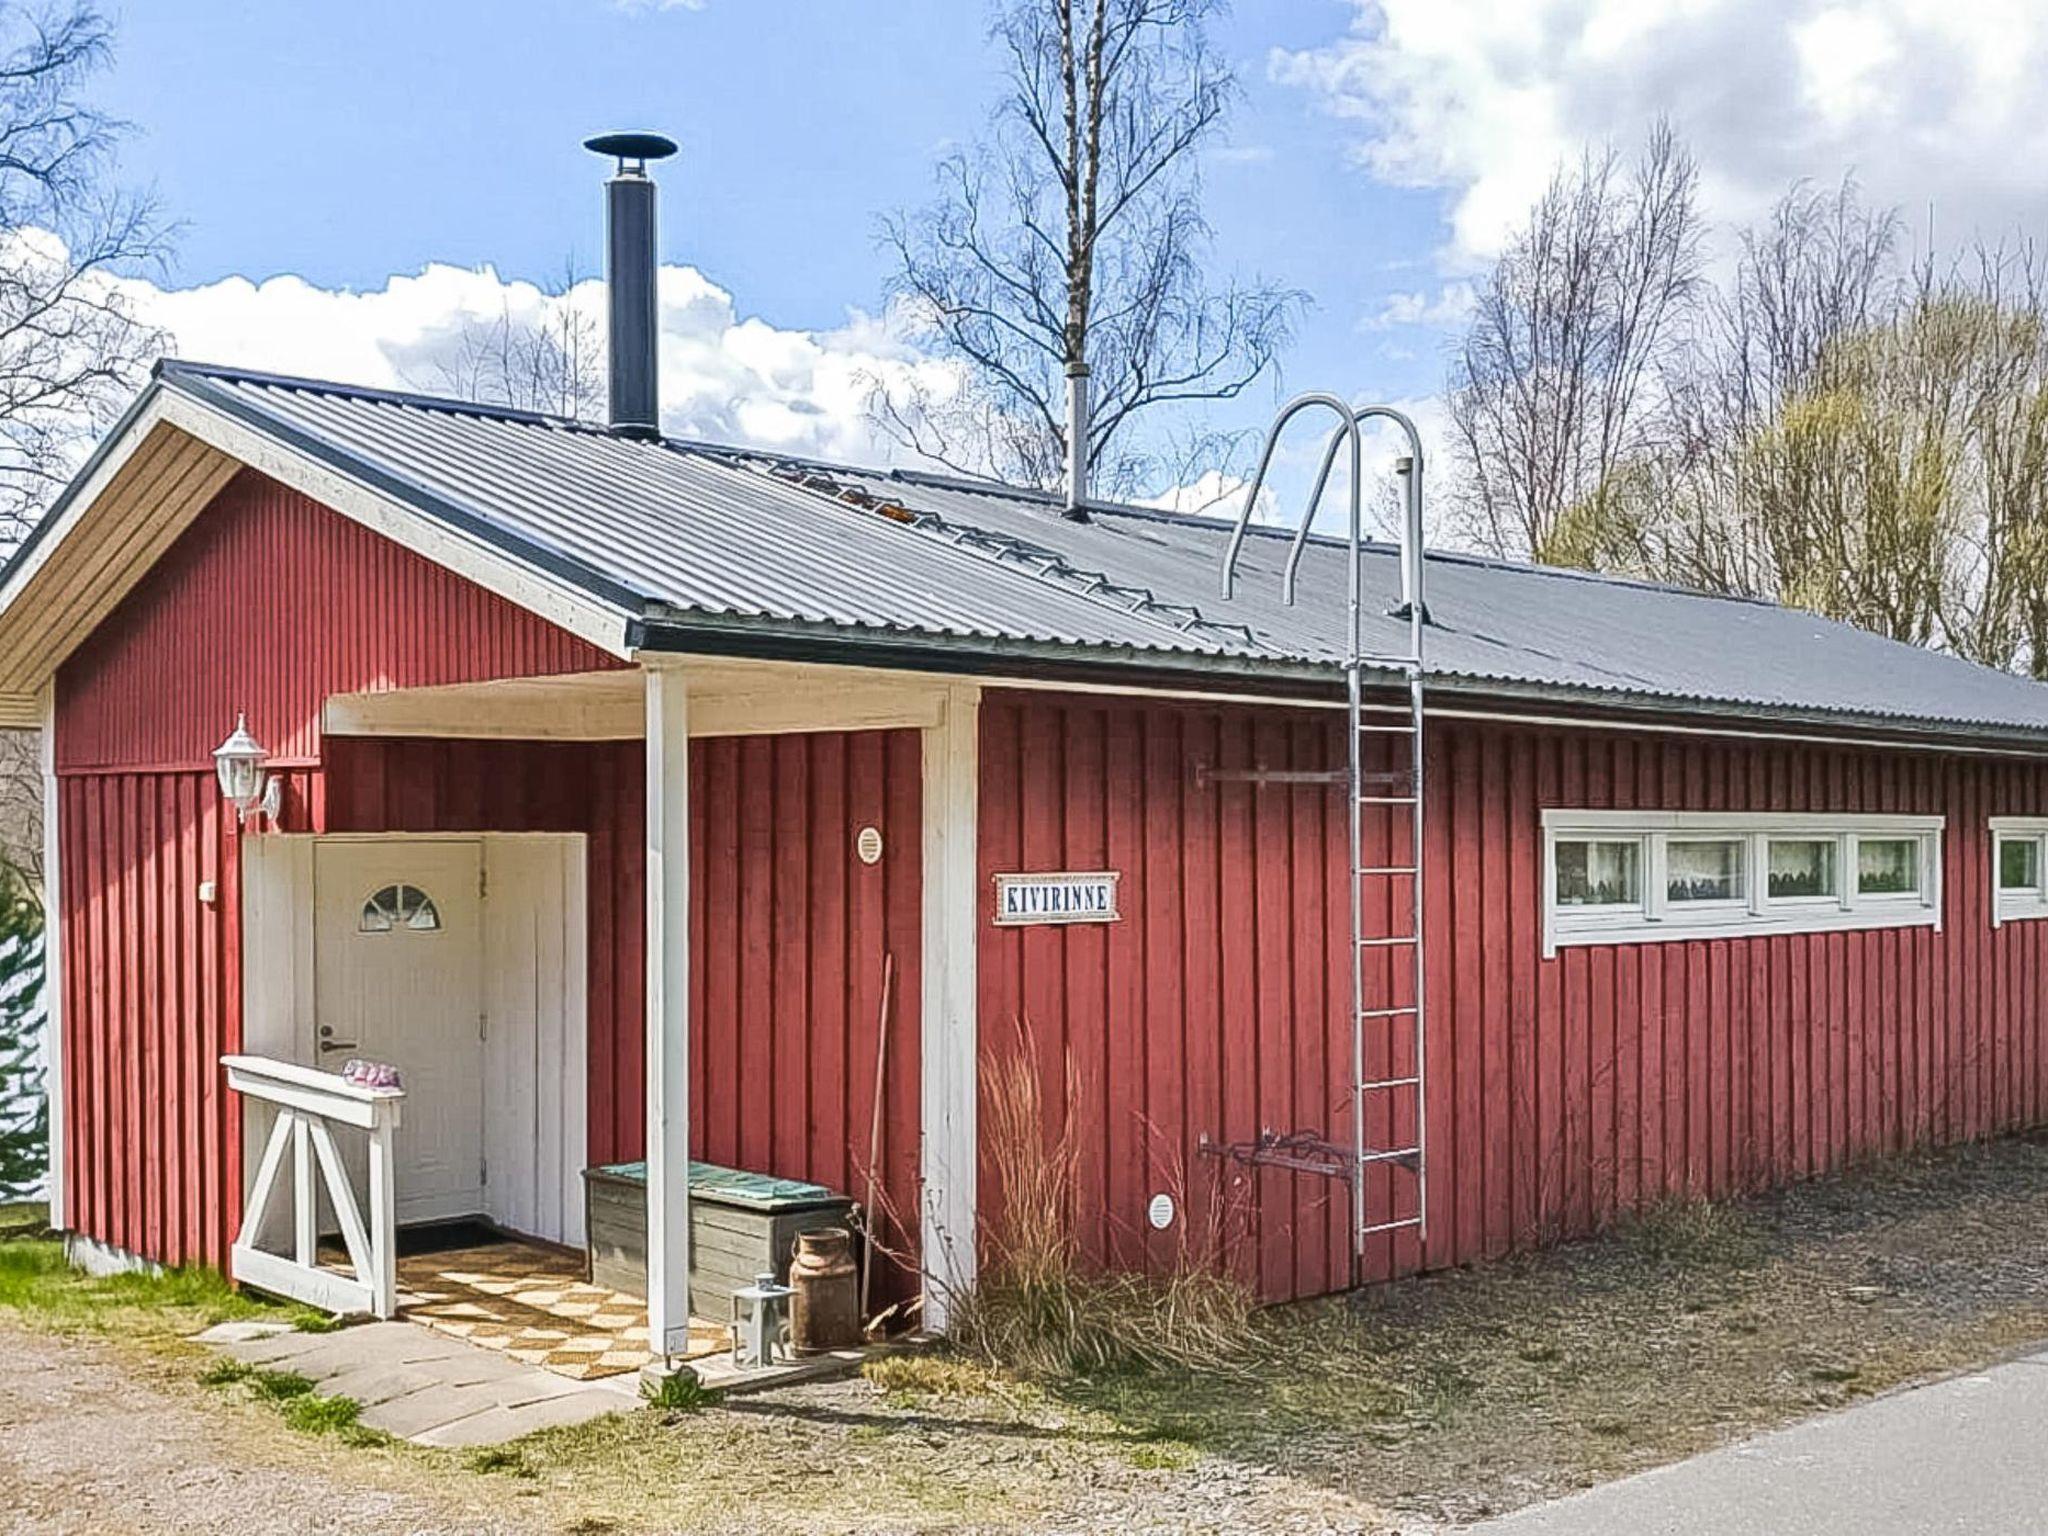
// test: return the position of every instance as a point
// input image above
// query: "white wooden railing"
(309, 1103)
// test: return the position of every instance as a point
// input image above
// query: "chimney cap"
(632, 146)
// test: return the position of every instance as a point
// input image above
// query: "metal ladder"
(1381, 800)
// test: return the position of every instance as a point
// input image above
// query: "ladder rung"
(1398, 1154)
(1386, 659)
(1390, 1226)
(1386, 869)
(1386, 1013)
(1402, 730)
(1388, 943)
(1389, 1082)
(1386, 799)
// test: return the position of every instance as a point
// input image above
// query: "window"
(1803, 869)
(1628, 877)
(399, 908)
(2020, 858)
(1599, 874)
(2019, 864)
(1703, 871)
(1887, 866)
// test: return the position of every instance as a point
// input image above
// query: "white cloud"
(1451, 306)
(724, 376)
(1941, 101)
(1213, 493)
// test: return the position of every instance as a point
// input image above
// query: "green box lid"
(735, 1186)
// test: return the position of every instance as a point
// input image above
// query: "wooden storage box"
(742, 1225)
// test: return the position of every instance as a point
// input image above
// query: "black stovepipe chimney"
(635, 330)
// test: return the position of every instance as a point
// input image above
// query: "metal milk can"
(824, 1312)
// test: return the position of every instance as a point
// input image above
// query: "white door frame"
(278, 988)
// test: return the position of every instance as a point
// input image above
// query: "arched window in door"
(400, 908)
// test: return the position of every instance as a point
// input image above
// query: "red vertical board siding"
(149, 1015)
(1563, 1092)
(789, 935)
(268, 603)
(145, 1126)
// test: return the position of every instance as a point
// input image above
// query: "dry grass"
(1038, 1311)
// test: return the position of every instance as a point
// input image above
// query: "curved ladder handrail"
(1288, 412)
(1411, 542)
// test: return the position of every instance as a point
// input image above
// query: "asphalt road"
(1968, 1454)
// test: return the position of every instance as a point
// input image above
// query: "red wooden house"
(611, 773)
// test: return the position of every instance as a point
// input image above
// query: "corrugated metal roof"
(677, 531)
(697, 532)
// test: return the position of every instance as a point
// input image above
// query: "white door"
(398, 978)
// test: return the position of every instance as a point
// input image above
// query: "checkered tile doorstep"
(535, 1305)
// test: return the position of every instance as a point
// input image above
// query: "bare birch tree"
(549, 359)
(71, 348)
(1560, 379)
(1829, 429)
(1074, 233)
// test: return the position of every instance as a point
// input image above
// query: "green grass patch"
(226, 1372)
(511, 1460)
(304, 1409)
(1161, 1456)
(678, 1392)
(313, 1320)
(278, 1386)
(311, 1414)
(40, 1290)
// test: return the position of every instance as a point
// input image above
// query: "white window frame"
(1658, 920)
(2015, 906)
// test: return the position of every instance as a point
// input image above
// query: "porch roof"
(694, 546)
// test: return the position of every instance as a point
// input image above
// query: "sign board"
(1057, 898)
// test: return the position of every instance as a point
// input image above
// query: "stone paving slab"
(425, 1386)
(496, 1425)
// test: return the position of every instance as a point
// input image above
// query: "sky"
(352, 181)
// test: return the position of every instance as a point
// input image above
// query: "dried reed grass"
(1038, 1310)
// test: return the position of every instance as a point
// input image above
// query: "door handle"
(329, 1043)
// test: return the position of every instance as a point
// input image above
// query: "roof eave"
(1292, 680)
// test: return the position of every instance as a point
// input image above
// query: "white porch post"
(951, 1039)
(668, 1010)
(53, 964)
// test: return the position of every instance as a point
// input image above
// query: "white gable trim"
(163, 464)
(602, 624)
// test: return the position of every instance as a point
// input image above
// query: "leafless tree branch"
(1072, 233)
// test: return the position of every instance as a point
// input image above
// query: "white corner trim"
(950, 1008)
(1653, 919)
(2018, 906)
(600, 623)
(53, 961)
(668, 1009)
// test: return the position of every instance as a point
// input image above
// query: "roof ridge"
(979, 486)
(173, 367)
